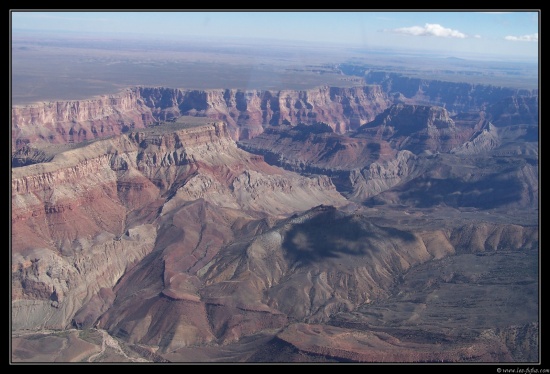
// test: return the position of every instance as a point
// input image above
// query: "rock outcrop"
(82, 220)
(478, 182)
(76, 121)
(417, 128)
(388, 238)
(454, 96)
(402, 146)
(245, 112)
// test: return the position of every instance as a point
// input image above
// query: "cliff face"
(189, 163)
(169, 236)
(455, 97)
(245, 112)
(89, 215)
(396, 150)
(376, 157)
(481, 182)
(75, 121)
(417, 128)
(515, 110)
(359, 166)
(343, 109)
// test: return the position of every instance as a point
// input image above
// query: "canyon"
(396, 221)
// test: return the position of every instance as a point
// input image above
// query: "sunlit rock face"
(82, 220)
(76, 121)
(382, 223)
(245, 112)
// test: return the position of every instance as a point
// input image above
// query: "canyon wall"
(455, 97)
(75, 121)
(167, 235)
(89, 215)
(245, 112)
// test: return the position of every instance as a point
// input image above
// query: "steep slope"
(395, 153)
(82, 220)
(245, 112)
(248, 112)
(303, 268)
(76, 121)
(480, 182)
(316, 277)
(358, 166)
(417, 128)
(515, 110)
(456, 97)
(159, 234)
(307, 148)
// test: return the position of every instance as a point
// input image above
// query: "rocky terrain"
(245, 112)
(411, 146)
(88, 212)
(373, 224)
(455, 97)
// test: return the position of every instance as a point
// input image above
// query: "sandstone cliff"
(85, 218)
(75, 121)
(245, 112)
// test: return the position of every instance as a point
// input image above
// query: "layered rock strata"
(82, 220)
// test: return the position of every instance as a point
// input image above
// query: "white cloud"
(477, 36)
(524, 38)
(430, 29)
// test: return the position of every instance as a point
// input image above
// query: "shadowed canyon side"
(318, 278)
(406, 150)
(369, 224)
(454, 96)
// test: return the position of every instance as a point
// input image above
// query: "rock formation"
(417, 128)
(76, 121)
(454, 96)
(385, 223)
(245, 112)
(83, 219)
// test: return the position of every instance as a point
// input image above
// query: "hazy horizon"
(502, 36)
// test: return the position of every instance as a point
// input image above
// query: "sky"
(498, 34)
